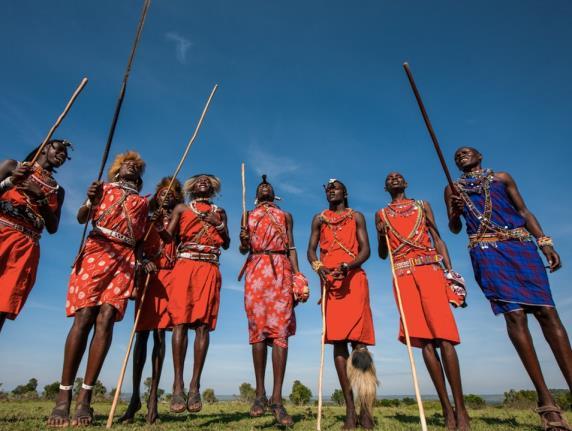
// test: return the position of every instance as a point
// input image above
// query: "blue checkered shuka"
(510, 273)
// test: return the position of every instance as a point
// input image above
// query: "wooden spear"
(407, 340)
(243, 177)
(321, 378)
(429, 127)
(118, 106)
(78, 90)
(144, 292)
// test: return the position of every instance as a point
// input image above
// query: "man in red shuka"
(30, 199)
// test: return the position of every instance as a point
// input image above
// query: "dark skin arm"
(292, 254)
(244, 246)
(19, 174)
(381, 233)
(455, 205)
(173, 228)
(438, 243)
(94, 195)
(531, 223)
(313, 245)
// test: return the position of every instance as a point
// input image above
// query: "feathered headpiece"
(189, 184)
(122, 158)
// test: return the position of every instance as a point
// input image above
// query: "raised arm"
(531, 222)
(292, 254)
(438, 243)
(93, 197)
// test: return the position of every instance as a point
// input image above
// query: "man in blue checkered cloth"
(509, 269)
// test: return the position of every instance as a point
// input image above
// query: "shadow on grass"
(435, 420)
(499, 421)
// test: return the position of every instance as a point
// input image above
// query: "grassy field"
(31, 415)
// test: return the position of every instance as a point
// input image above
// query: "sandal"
(547, 424)
(281, 415)
(83, 416)
(259, 406)
(178, 403)
(194, 404)
(59, 414)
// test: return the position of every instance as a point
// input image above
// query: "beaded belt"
(114, 235)
(203, 257)
(417, 261)
(28, 232)
(519, 234)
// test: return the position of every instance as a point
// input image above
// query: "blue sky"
(308, 91)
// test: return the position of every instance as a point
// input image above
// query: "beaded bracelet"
(220, 227)
(543, 241)
(316, 265)
(87, 204)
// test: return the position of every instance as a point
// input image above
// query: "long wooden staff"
(429, 127)
(243, 177)
(407, 340)
(118, 106)
(144, 292)
(78, 90)
(321, 378)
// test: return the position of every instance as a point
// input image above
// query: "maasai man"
(269, 296)
(508, 267)
(195, 284)
(344, 246)
(159, 260)
(101, 281)
(30, 199)
(418, 252)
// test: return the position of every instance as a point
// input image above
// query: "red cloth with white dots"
(104, 272)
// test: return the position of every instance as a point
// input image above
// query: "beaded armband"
(316, 265)
(220, 227)
(543, 241)
(6, 184)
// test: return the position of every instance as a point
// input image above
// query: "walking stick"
(429, 127)
(144, 292)
(407, 340)
(118, 106)
(59, 120)
(321, 378)
(243, 195)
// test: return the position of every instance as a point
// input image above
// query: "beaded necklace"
(333, 224)
(402, 208)
(128, 186)
(193, 206)
(479, 182)
(412, 239)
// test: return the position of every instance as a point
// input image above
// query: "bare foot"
(194, 403)
(83, 415)
(350, 423)
(178, 403)
(152, 413)
(463, 421)
(365, 420)
(133, 407)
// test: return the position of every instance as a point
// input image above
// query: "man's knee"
(515, 319)
(85, 318)
(106, 316)
(202, 331)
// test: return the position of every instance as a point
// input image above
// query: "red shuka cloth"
(104, 272)
(424, 287)
(348, 313)
(154, 314)
(268, 298)
(20, 253)
(194, 296)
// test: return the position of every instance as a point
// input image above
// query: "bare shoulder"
(179, 209)
(8, 166)
(359, 217)
(504, 177)
(317, 219)
(288, 216)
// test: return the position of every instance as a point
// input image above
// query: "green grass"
(31, 415)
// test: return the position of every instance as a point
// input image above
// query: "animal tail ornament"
(363, 379)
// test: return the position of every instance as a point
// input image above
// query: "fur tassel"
(363, 379)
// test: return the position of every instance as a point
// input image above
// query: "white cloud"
(182, 45)
(280, 169)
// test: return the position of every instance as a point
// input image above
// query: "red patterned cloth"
(348, 313)
(104, 271)
(154, 314)
(20, 227)
(268, 298)
(194, 297)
